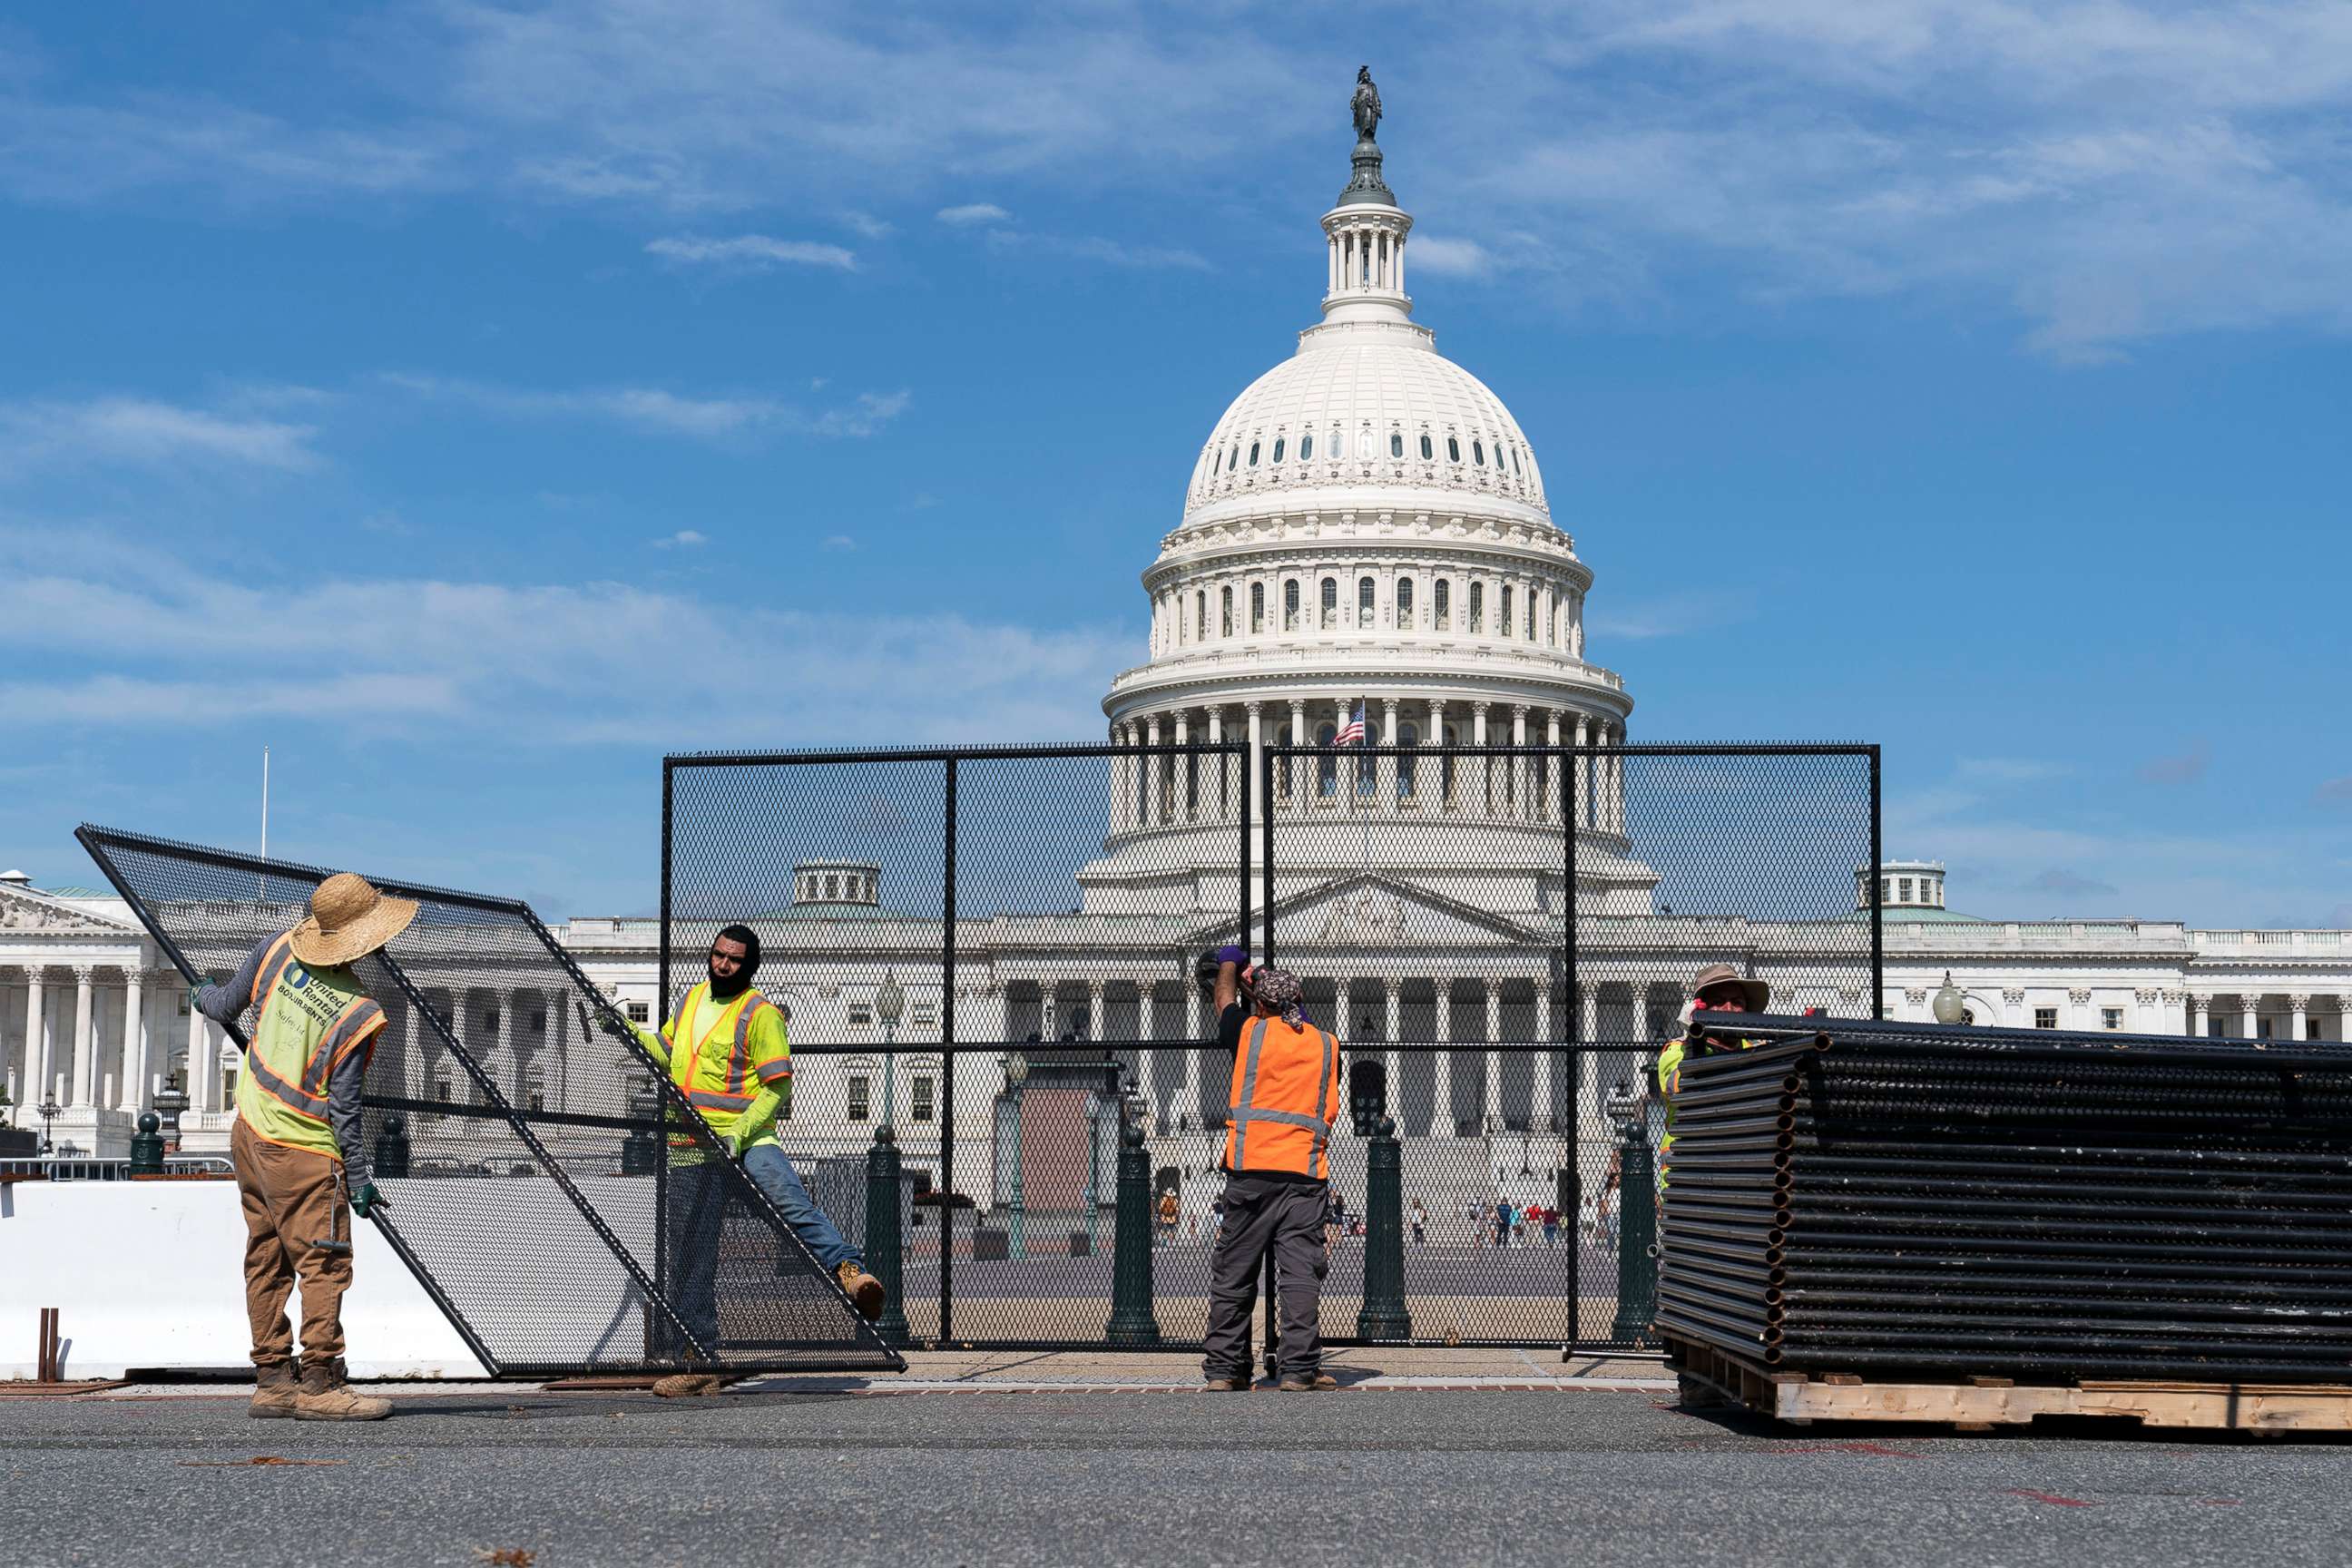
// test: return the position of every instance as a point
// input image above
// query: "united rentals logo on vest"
(1286, 1094)
(311, 1019)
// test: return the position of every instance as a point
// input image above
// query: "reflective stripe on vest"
(719, 1087)
(1274, 1153)
(309, 1021)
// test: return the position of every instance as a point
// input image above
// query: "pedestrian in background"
(1420, 1224)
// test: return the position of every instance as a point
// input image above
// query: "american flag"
(1352, 733)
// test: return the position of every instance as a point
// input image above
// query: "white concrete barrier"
(152, 1274)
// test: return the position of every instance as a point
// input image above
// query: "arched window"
(1364, 601)
(1477, 608)
(1331, 602)
(1514, 461)
(1503, 620)
(1200, 616)
(1425, 453)
(1408, 737)
(1339, 444)
(1233, 457)
(1277, 448)
(1225, 607)
(1253, 454)
(1326, 766)
(1442, 605)
(1404, 603)
(1290, 605)
(1305, 446)
(1453, 451)
(1479, 453)
(1531, 615)
(1257, 606)
(1396, 444)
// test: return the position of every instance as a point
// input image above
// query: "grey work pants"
(1263, 1214)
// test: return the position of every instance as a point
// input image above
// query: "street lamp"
(889, 1005)
(49, 1108)
(1950, 1005)
(169, 1100)
(1016, 1073)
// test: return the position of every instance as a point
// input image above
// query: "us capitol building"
(1366, 519)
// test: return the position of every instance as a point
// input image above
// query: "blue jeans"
(699, 1196)
(773, 1174)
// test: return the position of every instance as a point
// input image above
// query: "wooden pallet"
(1709, 1375)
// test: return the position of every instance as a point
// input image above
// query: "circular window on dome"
(1425, 453)
(1253, 454)
(1306, 447)
(1479, 453)
(1277, 448)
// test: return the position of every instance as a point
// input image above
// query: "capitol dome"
(1365, 537)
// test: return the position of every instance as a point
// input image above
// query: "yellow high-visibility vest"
(310, 1020)
(720, 1068)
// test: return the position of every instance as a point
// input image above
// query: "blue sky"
(423, 390)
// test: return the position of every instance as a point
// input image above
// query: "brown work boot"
(325, 1396)
(273, 1388)
(1226, 1385)
(687, 1385)
(865, 1291)
(1311, 1382)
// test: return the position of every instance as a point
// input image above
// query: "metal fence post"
(1637, 1233)
(391, 1149)
(884, 1256)
(948, 1060)
(1383, 1315)
(147, 1146)
(1131, 1323)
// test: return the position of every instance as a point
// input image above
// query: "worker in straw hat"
(297, 1145)
(1717, 988)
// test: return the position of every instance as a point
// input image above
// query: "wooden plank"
(1981, 1404)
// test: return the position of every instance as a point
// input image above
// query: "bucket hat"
(1714, 974)
(349, 919)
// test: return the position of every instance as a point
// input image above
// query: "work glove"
(735, 1146)
(366, 1200)
(1232, 954)
(609, 1025)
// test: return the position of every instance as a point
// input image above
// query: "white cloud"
(754, 250)
(974, 213)
(837, 542)
(683, 539)
(663, 411)
(153, 644)
(144, 430)
(1449, 258)
(865, 225)
(1668, 614)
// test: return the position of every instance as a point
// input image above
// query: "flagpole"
(265, 824)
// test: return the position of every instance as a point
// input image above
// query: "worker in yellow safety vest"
(1716, 988)
(301, 1162)
(1285, 1096)
(727, 1049)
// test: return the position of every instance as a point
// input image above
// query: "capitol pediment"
(1368, 910)
(25, 912)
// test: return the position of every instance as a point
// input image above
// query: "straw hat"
(348, 921)
(1715, 974)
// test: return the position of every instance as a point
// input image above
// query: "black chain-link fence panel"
(527, 1166)
(993, 951)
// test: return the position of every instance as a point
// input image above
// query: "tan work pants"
(293, 1200)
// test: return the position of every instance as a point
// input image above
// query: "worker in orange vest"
(1285, 1097)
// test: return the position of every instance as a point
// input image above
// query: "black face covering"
(729, 989)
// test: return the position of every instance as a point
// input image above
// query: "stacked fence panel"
(1957, 1201)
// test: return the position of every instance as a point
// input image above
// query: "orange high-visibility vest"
(1286, 1094)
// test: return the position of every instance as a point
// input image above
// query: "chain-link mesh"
(529, 1175)
(1041, 914)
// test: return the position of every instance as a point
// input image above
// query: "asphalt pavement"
(529, 1478)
